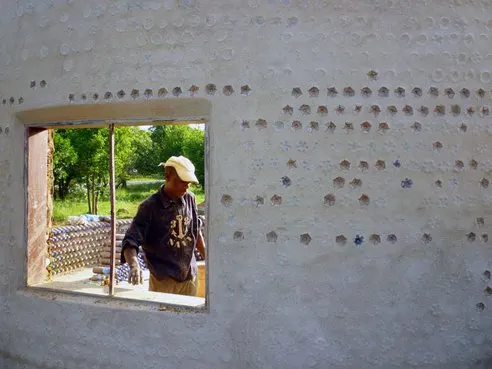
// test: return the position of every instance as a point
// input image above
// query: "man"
(168, 229)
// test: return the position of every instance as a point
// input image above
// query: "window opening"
(107, 172)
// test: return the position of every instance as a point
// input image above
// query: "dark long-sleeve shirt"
(167, 230)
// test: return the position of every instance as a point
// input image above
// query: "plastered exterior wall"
(283, 292)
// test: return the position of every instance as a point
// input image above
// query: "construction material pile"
(122, 272)
(89, 245)
(105, 254)
(78, 246)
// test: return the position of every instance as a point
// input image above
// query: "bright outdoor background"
(81, 167)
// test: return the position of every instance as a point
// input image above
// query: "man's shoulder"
(188, 194)
(152, 200)
(189, 197)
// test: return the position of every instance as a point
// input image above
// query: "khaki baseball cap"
(184, 167)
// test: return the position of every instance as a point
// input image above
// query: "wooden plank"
(107, 254)
(108, 249)
(112, 199)
(37, 182)
(107, 261)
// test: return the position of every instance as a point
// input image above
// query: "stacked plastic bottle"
(123, 271)
(78, 246)
(88, 245)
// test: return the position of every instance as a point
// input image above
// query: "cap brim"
(186, 176)
(183, 174)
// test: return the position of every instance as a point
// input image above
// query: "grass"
(127, 201)
(146, 178)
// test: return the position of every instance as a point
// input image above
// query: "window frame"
(104, 115)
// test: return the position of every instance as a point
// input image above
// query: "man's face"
(177, 186)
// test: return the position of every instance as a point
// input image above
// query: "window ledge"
(134, 299)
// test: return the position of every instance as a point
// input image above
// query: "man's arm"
(137, 232)
(200, 241)
(136, 275)
(200, 245)
(134, 237)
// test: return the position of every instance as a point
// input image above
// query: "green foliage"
(193, 149)
(170, 140)
(91, 146)
(125, 151)
(167, 141)
(141, 161)
(81, 158)
(127, 201)
(64, 159)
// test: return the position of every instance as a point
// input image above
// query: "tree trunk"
(62, 191)
(93, 193)
(57, 194)
(65, 188)
(88, 196)
(96, 200)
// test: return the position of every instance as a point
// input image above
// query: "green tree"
(91, 145)
(85, 152)
(167, 141)
(124, 147)
(194, 149)
(142, 161)
(64, 163)
(176, 140)
(81, 156)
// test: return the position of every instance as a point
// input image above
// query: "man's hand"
(136, 275)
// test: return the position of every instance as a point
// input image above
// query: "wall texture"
(348, 228)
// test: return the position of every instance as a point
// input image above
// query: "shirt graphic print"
(180, 232)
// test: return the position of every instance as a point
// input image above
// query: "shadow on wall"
(483, 363)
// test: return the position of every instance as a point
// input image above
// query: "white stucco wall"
(283, 304)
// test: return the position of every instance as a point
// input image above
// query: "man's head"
(179, 172)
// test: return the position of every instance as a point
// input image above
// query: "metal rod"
(112, 199)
